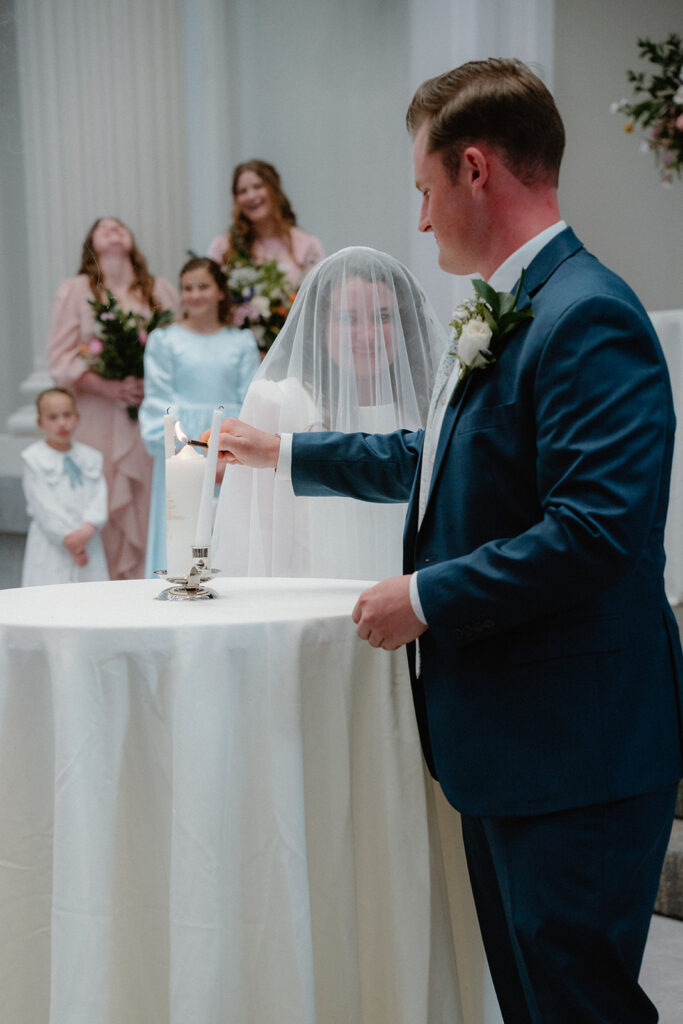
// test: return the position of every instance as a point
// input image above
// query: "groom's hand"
(385, 616)
(243, 445)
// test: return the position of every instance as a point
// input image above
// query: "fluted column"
(102, 100)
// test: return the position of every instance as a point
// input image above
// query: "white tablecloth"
(669, 327)
(217, 813)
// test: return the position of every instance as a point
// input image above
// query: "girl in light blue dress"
(191, 367)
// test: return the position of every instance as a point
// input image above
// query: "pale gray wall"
(346, 163)
(325, 102)
(609, 191)
(15, 339)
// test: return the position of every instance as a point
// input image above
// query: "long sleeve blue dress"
(192, 374)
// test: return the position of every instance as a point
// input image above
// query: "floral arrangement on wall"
(657, 106)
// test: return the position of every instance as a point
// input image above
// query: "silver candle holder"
(190, 588)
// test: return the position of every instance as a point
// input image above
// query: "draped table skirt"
(218, 812)
(669, 326)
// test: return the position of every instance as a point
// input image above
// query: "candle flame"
(179, 433)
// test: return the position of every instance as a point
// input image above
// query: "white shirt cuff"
(284, 462)
(415, 600)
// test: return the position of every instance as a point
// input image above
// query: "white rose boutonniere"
(473, 351)
(481, 325)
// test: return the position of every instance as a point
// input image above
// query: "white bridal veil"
(359, 351)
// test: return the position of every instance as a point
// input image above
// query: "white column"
(210, 41)
(103, 123)
(445, 34)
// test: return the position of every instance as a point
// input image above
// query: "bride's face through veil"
(360, 335)
(362, 318)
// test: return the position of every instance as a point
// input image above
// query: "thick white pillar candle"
(184, 477)
(205, 516)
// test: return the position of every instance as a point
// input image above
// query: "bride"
(359, 351)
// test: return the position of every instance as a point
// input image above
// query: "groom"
(548, 678)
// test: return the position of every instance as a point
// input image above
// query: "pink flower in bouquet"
(107, 316)
(244, 312)
(95, 347)
(679, 122)
(142, 335)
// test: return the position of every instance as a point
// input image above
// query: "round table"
(217, 811)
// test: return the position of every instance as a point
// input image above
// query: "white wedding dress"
(359, 351)
(268, 531)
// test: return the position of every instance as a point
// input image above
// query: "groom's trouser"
(564, 902)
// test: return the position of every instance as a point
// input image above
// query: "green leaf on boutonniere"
(481, 326)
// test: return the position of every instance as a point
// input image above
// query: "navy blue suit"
(551, 671)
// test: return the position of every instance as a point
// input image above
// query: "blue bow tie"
(73, 471)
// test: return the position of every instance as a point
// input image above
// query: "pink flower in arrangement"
(95, 347)
(108, 316)
(679, 122)
(243, 313)
(142, 335)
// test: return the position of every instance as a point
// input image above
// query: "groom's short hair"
(497, 101)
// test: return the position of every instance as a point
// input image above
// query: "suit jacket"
(551, 669)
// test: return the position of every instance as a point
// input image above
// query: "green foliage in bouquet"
(117, 349)
(261, 296)
(658, 106)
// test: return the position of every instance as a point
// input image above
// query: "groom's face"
(447, 208)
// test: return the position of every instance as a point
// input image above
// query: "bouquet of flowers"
(659, 104)
(260, 295)
(117, 347)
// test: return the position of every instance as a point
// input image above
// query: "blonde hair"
(54, 391)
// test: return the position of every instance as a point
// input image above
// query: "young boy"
(66, 498)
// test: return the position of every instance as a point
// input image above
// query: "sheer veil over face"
(359, 351)
(361, 334)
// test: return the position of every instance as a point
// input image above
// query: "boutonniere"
(481, 325)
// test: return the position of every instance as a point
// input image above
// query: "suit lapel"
(559, 249)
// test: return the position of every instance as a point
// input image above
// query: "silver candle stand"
(189, 588)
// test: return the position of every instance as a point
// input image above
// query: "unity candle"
(184, 478)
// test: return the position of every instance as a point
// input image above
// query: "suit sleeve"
(604, 437)
(372, 467)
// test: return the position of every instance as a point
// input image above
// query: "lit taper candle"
(205, 517)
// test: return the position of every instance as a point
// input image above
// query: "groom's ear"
(475, 168)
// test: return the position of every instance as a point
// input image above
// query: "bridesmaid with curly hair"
(264, 225)
(110, 261)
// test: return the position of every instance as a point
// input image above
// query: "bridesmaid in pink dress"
(110, 260)
(264, 224)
